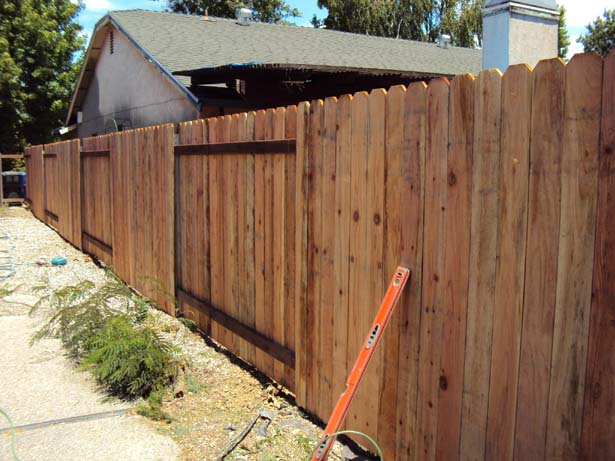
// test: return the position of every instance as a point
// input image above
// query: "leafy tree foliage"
(38, 40)
(563, 40)
(409, 19)
(600, 36)
(276, 11)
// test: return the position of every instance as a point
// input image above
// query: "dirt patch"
(221, 398)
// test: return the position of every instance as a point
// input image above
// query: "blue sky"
(579, 13)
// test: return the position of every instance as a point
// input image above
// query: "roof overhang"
(217, 74)
(91, 59)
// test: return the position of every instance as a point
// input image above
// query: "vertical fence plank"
(216, 229)
(314, 244)
(373, 277)
(541, 262)
(599, 408)
(511, 241)
(268, 241)
(290, 132)
(278, 242)
(200, 135)
(341, 244)
(326, 251)
(302, 313)
(576, 243)
(188, 226)
(358, 237)
(238, 133)
(481, 286)
(75, 192)
(231, 266)
(250, 272)
(228, 225)
(393, 254)
(411, 203)
(454, 281)
(433, 265)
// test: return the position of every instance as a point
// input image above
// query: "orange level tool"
(383, 316)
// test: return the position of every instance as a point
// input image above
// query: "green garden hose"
(12, 434)
(335, 434)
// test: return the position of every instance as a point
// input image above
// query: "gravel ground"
(220, 394)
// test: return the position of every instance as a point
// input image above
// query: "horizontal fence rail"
(282, 146)
(496, 190)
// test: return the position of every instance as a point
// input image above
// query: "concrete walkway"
(39, 385)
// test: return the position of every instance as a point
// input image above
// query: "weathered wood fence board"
(278, 231)
(599, 396)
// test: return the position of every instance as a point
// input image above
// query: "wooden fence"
(495, 190)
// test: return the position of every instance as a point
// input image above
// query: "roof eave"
(99, 25)
(103, 22)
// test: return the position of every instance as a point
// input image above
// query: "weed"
(181, 431)
(5, 291)
(188, 323)
(152, 407)
(305, 444)
(193, 385)
(267, 457)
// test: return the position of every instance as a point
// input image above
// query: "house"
(144, 68)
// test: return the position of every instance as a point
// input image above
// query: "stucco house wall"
(128, 89)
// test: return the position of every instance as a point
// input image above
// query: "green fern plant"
(131, 361)
(78, 312)
(104, 327)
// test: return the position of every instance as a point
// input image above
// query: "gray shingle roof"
(183, 42)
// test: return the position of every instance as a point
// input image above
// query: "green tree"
(600, 36)
(408, 19)
(38, 43)
(563, 40)
(276, 11)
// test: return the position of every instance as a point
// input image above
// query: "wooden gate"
(235, 199)
(97, 198)
(61, 189)
(35, 180)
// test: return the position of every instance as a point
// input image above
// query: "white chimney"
(243, 16)
(516, 32)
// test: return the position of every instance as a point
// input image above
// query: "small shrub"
(105, 329)
(152, 407)
(131, 361)
(193, 385)
(78, 312)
